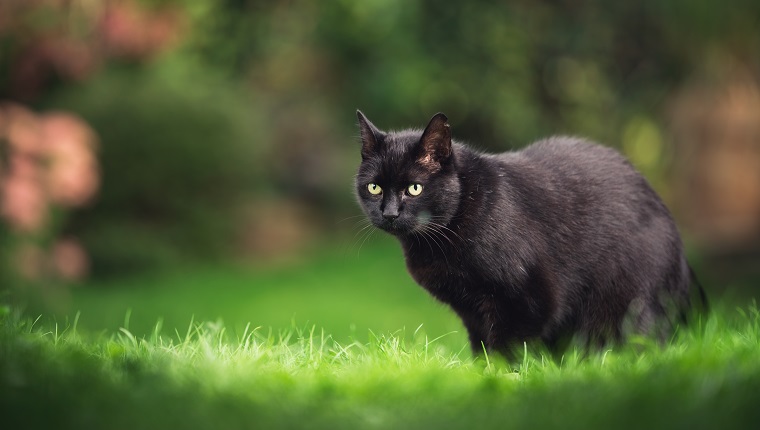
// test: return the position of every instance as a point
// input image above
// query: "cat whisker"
(371, 232)
(366, 223)
(350, 218)
(362, 222)
(445, 218)
(441, 226)
(425, 237)
(427, 232)
(359, 235)
(443, 235)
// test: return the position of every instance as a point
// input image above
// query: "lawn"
(335, 342)
(345, 290)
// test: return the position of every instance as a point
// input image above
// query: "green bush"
(178, 156)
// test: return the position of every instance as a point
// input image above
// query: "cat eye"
(374, 189)
(414, 189)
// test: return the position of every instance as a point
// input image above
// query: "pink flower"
(133, 31)
(23, 203)
(22, 129)
(72, 58)
(50, 162)
(72, 177)
(24, 166)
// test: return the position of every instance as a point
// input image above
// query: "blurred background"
(171, 159)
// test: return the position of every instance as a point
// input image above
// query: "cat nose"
(390, 216)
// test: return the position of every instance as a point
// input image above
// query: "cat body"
(561, 238)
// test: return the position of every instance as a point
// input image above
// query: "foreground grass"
(206, 377)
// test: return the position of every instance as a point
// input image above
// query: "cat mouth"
(394, 227)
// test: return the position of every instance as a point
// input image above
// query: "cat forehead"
(398, 150)
(400, 143)
(395, 159)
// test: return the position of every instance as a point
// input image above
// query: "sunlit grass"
(345, 341)
(209, 376)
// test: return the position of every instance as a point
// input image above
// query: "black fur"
(561, 238)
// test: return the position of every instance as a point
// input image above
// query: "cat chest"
(452, 280)
(445, 278)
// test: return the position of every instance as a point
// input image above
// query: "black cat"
(559, 239)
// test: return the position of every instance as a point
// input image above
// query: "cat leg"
(557, 343)
(476, 332)
(478, 342)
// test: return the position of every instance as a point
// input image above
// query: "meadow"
(345, 340)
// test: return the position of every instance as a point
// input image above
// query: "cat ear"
(369, 134)
(435, 144)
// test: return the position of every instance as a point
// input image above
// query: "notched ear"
(370, 135)
(435, 144)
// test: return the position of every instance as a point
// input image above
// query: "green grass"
(342, 341)
(346, 292)
(207, 377)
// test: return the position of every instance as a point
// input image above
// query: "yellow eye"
(414, 189)
(374, 189)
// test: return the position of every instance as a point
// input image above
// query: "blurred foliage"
(505, 72)
(180, 155)
(206, 107)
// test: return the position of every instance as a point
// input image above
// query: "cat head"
(407, 180)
